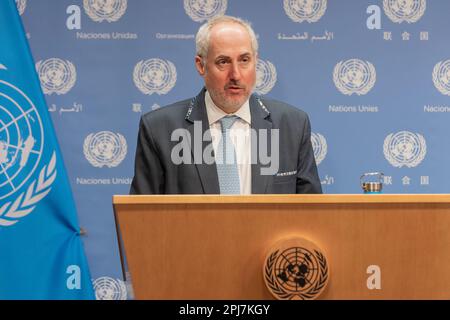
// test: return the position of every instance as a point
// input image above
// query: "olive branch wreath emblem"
(116, 15)
(113, 162)
(410, 163)
(359, 91)
(24, 204)
(438, 82)
(144, 87)
(192, 8)
(267, 84)
(65, 86)
(409, 19)
(298, 17)
(281, 293)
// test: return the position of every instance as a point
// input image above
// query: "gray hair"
(204, 32)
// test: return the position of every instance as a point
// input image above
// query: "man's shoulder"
(280, 108)
(177, 110)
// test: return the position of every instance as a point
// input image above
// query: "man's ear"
(199, 65)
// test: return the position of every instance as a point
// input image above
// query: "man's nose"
(235, 72)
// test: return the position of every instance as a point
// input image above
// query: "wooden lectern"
(213, 247)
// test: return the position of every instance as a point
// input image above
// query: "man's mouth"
(234, 88)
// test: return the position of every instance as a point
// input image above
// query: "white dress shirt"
(240, 137)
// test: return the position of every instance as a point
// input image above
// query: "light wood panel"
(213, 247)
(288, 198)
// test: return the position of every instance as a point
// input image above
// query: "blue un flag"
(41, 253)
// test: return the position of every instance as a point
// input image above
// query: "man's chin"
(230, 103)
(237, 99)
(234, 104)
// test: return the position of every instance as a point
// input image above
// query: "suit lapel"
(207, 172)
(260, 120)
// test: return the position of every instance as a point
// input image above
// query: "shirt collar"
(215, 113)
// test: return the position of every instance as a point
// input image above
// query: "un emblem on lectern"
(109, 10)
(21, 5)
(404, 10)
(56, 75)
(266, 77)
(296, 269)
(441, 77)
(105, 148)
(202, 10)
(305, 10)
(354, 76)
(404, 148)
(155, 76)
(319, 144)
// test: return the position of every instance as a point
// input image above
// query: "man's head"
(227, 52)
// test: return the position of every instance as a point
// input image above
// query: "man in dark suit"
(225, 140)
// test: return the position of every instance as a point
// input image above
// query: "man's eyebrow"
(246, 54)
(222, 57)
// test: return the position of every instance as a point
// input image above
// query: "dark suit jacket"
(155, 173)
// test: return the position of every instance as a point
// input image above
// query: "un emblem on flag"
(21, 5)
(305, 10)
(404, 10)
(155, 76)
(21, 149)
(296, 269)
(56, 75)
(105, 148)
(404, 148)
(201, 10)
(319, 144)
(354, 76)
(441, 77)
(101, 10)
(107, 288)
(266, 77)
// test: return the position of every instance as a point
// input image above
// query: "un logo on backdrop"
(107, 288)
(56, 75)
(21, 148)
(201, 10)
(404, 148)
(21, 5)
(305, 10)
(266, 76)
(441, 77)
(404, 10)
(109, 10)
(155, 76)
(320, 147)
(105, 148)
(354, 76)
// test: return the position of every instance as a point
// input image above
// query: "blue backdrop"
(373, 75)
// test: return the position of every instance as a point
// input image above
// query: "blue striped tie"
(226, 163)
